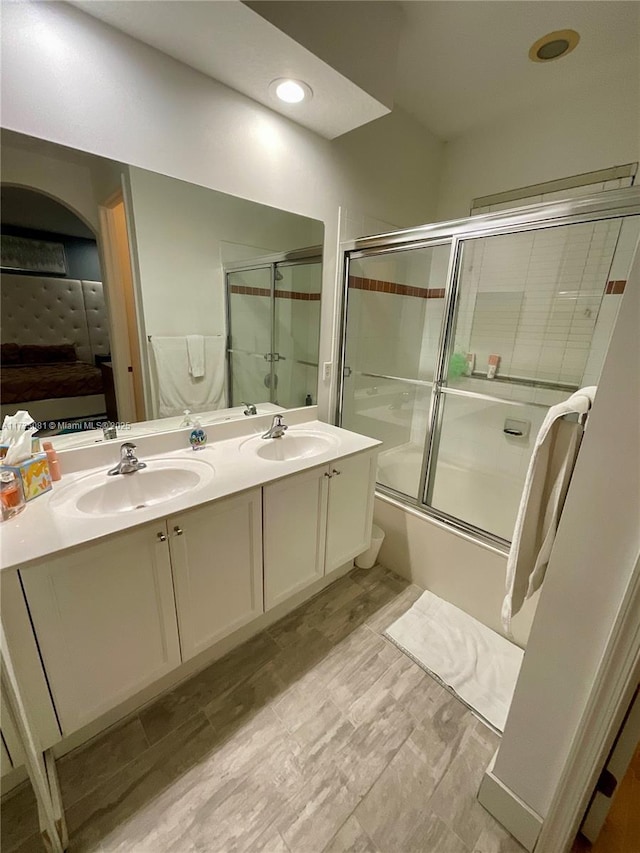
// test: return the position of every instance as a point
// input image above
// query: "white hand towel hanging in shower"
(545, 488)
(195, 352)
(175, 387)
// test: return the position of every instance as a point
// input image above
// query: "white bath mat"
(471, 660)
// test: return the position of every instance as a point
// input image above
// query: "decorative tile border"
(279, 294)
(398, 289)
(615, 287)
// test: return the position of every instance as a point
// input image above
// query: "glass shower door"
(297, 294)
(530, 301)
(250, 375)
(459, 337)
(395, 308)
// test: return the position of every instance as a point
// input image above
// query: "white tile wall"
(534, 299)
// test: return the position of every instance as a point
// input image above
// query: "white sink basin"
(162, 480)
(300, 445)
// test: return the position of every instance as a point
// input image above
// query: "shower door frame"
(271, 262)
(613, 204)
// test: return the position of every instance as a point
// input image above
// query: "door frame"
(122, 310)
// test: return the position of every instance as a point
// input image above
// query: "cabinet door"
(216, 553)
(350, 510)
(11, 748)
(27, 662)
(105, 620)
(294, 533)
(5, 761)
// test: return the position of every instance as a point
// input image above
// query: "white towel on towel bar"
(176, 389)
(195, 353)
(545, 488)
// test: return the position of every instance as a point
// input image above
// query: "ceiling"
(465, 64)
(228, 41)
(460, 64)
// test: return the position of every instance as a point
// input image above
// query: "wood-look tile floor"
(316, 735)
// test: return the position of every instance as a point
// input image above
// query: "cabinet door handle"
(178, 530)
(161, 537)
(326, 474)
(336, 472)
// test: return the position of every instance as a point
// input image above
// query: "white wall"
(592, 131)
(71, 79)
(594, 556)
(70, 183)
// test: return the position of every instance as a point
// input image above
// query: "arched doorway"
(56, 346)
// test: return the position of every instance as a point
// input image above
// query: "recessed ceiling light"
(554, 45)
(290, 91)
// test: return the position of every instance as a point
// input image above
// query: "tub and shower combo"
(457, 337)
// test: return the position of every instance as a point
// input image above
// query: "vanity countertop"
(48, 526)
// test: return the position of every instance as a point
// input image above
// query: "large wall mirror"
(130, 297)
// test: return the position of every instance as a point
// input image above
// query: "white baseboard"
(515, 815)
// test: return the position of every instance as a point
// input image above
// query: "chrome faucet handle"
(277, 428)
(109, 430)
(129, 462)
(250, 408)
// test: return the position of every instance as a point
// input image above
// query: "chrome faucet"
(250, 408)
(129, 462)
(109, 430)
(277, 428)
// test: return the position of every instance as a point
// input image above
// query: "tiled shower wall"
(533, 299)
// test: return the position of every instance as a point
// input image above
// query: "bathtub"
(487, 499)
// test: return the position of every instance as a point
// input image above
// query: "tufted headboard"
(41, 310)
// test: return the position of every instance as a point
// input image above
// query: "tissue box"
(35, 475)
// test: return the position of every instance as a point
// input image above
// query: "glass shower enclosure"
(458, 337)
(273, 328)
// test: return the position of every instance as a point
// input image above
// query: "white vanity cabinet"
(216, 555)
(113, 617)
(5, 761)
(105, 620)
(295, 521)
(350, 508)
(315, 522)
(11, 753)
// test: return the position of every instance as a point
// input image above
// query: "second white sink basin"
(299, 445)
(162, 480)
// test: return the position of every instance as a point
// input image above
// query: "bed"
(54, 333)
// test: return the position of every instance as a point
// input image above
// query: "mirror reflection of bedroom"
(55, 336)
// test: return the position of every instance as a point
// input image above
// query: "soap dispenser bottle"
(197, 437)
